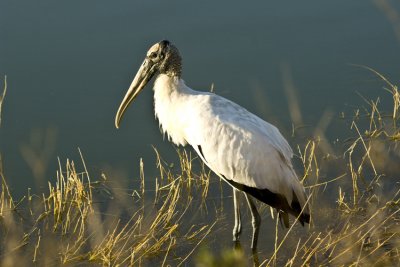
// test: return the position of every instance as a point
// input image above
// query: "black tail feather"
(276, 201)
(296, 207)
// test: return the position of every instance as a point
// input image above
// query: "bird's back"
(248, 153)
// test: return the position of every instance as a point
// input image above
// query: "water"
(69, 64)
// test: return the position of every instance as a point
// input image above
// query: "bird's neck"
(165, 85)
(170, 93)
(168, 90)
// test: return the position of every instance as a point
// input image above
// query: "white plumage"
(244, 150)
(235, 143)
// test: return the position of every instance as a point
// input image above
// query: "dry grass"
(2, 96)
(73, 223)
(364, 229)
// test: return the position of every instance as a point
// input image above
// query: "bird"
(245, 151)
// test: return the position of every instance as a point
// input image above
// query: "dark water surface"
(69, 63)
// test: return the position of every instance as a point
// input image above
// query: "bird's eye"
(153, 55)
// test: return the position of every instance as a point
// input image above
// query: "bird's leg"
(256, 261)
(255, 221)
(237, 229)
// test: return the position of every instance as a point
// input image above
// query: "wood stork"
(248, 153)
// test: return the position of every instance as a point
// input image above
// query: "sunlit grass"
(73, 223)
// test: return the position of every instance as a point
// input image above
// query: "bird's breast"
(172, 107)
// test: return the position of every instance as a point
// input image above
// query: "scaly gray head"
(162, 58)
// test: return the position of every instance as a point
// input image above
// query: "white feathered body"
(234, 143)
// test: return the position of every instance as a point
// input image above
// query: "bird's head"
(162, 58)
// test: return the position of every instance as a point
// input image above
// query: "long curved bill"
(144, 74)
